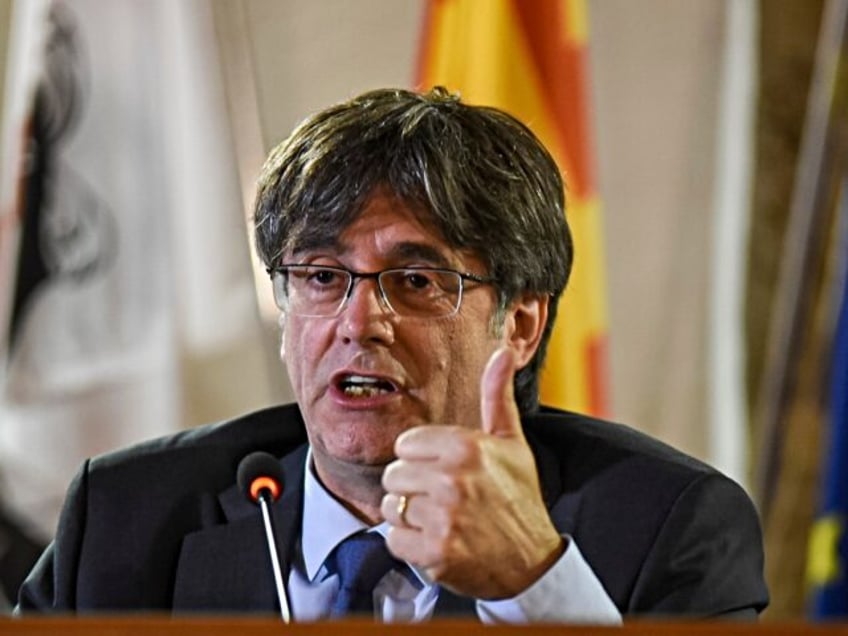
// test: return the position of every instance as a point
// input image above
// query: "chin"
(357, 451)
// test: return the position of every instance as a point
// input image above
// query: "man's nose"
(365, 315)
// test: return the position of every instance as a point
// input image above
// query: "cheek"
(291, 359)
(468, 352)
(297, 344)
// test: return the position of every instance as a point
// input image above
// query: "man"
(418, 248)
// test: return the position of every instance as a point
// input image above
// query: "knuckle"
(449, 528)
(442, 532)
(467, 451)
(450, 488)
(391, 475)
(386, 506)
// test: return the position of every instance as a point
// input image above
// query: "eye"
(323, 277)
(417, 279)
(314, 280)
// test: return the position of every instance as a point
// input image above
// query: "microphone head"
(257, 472)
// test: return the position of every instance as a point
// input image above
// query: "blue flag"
(828, 554)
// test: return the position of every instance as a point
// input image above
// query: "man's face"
(429, 369)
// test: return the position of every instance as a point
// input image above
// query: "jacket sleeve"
(51, 585)
(707, 558)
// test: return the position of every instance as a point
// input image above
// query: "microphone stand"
(264, 498)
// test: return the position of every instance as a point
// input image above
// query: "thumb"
(497, 406)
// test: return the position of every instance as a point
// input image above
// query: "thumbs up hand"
(474, 518)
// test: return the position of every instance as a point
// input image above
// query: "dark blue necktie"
(361, 561)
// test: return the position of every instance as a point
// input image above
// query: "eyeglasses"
(415, 292)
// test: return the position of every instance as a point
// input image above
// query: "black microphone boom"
(260, 479)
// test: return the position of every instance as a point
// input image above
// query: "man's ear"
(524, 324)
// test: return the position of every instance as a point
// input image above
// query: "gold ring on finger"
(403, 504)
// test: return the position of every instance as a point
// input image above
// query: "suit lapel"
(562, 503)
(227, 567)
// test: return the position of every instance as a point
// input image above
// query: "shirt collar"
(326, 523)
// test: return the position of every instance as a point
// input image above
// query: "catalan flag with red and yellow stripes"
(528, 57)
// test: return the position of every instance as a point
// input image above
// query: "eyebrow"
(419, 251)
(403, 251)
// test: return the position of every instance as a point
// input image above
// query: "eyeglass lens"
(322, 291)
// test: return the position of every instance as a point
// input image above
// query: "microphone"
(261, 481)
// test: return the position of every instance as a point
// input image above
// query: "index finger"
(431, 442)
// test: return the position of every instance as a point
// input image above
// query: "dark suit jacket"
(161, 526)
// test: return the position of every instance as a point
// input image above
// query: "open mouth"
(360, 386)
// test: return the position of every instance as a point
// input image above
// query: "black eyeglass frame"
(353, 276)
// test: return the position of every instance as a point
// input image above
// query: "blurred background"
(704, 148)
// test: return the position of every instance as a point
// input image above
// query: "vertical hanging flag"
(131, 301)
(529, 59)
(827, 563)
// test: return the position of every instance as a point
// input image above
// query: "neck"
(360, 490)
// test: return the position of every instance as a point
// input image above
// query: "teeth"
(363, 391)
(361, 379)
(363, 386)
